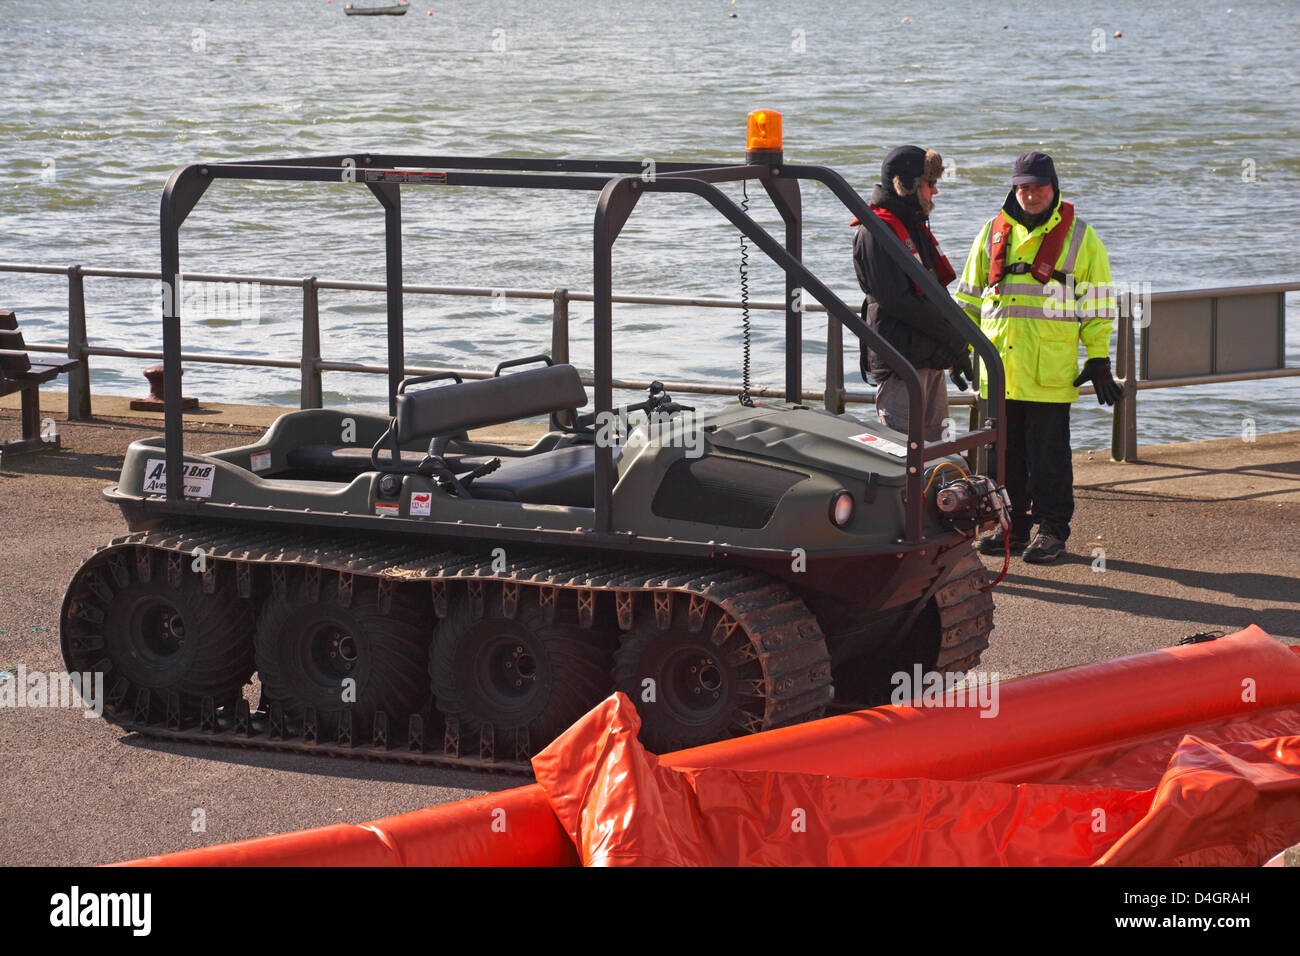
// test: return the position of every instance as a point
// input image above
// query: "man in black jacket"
(894, 306)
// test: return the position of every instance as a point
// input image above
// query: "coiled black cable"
(745, 398)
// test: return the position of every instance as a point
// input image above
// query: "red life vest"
(1049, 250)
(943, 270)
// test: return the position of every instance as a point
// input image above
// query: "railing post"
(79, 377)
(834, 365)
(310, 394)
(560, 327)
(560, 346)
(1123, 426)
(1131, 381)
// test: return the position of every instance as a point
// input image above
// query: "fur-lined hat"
(933, 164)
(906, 164)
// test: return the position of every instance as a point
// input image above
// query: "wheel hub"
(347, 648)
(159, 628)
(507, 671)
(695, 685)
(332, 653)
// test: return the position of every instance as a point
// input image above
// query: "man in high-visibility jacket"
(1038, 283)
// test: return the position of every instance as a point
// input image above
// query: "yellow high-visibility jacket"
(1037, 328)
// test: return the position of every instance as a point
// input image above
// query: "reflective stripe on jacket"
(1037, 327)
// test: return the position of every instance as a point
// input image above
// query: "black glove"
(1097, 370)
(961, 372)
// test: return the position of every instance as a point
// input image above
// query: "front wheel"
(948, 637)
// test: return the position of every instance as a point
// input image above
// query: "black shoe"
(1044, 549)
(993, 543)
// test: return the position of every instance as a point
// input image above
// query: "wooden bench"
(18, 373)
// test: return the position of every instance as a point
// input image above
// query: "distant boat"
(398, 10)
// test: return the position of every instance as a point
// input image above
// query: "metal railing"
(312, 364)
(835, 396)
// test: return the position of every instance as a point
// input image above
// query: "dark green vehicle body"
(729, 572)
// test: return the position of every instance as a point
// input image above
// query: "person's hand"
(1097, 370)
(961, 372)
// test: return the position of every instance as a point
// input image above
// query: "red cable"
(1006, 561)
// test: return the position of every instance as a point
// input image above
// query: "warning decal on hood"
(880, 444)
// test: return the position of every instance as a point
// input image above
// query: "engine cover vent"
(722, 491)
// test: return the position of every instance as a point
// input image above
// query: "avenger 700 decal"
(198, 478)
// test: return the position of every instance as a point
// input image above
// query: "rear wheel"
(948, 636)
(128, 618)
(317, 651)
(517, 673)
(690, 687)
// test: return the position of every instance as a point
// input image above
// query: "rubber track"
(784, 635)
(966, 614)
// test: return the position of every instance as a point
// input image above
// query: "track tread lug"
(451, 738)
(309, 726)
(347, 726)
(208, 716)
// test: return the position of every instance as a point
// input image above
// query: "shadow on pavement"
(1180, 473)
(322, 766)
(1278, 622)
(1252, 585)
(68, 464)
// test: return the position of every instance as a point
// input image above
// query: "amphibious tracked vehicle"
(403, 591)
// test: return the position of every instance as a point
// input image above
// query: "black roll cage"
(620, 185)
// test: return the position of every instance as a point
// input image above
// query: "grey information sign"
(1213, 332)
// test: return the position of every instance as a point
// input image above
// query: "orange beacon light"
(763, 137)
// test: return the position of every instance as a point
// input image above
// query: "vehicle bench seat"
(562, 476)
(452, 409)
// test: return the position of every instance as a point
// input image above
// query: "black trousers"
(1040, 474)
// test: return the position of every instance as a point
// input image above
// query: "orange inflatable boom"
(1048, 727)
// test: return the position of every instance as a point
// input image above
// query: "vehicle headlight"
(841, 509)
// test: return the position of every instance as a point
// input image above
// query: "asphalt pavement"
(1194, 539)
